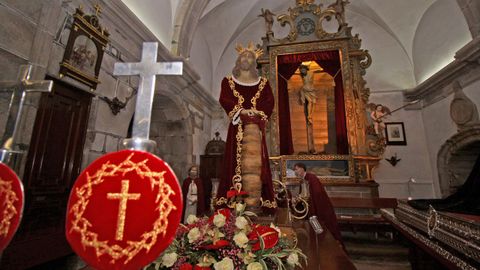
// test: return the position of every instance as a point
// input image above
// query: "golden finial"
(251, 48)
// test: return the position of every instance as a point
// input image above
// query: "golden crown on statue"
(250, 48)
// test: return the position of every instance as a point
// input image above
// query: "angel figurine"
(378, 112)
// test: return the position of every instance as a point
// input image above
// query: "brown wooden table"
(323, 251)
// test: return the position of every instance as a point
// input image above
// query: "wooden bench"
(370, 220)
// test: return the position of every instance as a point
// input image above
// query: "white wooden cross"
(147, 69)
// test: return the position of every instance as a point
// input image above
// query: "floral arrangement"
(229, 240)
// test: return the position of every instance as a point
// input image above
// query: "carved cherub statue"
(377, 114)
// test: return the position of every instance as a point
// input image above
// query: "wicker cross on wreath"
(125, 208)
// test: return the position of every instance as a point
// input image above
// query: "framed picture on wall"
(395, 133)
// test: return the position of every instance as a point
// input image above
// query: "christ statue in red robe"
(246, 98)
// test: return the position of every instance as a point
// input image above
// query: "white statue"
(308, 93)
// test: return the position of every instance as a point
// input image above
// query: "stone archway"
(456, 159)
(187, 17)
(172, 133)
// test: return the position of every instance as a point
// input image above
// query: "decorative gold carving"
(263, 82)
(299, 213)
(462, 235)
(324, 179)
(268, 203)
(433, 245)
(147, 240)
(222, 201)
(336, 10)
(342, 46)
(293, 34)
(365, 60)
(123, 198)
(354, 61)
(432, 221)
(250, 48)
(327, 14)
(90, 51)
(10, 211)
(237, 178)
(366, 165)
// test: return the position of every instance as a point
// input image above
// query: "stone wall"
(428, 125)
(36, 32)
(415, 161)
(27, 29)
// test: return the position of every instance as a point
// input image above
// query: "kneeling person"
(320, 204)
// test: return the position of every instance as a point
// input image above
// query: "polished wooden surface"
(323, 251)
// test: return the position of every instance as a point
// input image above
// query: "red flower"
(217, 245)
(269, 236)
(233, 193)
(186, 266)
(197, 267)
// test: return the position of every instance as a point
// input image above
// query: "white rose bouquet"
(229, 240)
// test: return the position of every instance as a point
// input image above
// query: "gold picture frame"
(328, 168)
(84, 50)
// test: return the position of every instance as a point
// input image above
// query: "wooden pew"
(367, 219)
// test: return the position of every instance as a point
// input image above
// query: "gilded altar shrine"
(321, 109)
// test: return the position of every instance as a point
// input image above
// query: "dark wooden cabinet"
(211, 169)
(53, 164)
(211, 166)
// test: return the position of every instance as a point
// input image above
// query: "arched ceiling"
(158, 16)
(409, 40)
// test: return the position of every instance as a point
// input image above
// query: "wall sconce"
(393, 160)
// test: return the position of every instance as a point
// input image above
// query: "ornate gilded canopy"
(313, 28)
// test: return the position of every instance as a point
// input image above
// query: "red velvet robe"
(201, 208)
(265, 103)
(321, 206)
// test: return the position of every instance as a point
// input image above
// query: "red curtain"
(287, 64)
(285, 72)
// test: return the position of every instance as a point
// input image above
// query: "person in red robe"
(245, 84)
(193, 195)
(320, 205)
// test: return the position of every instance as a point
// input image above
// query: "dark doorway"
(53, 162)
